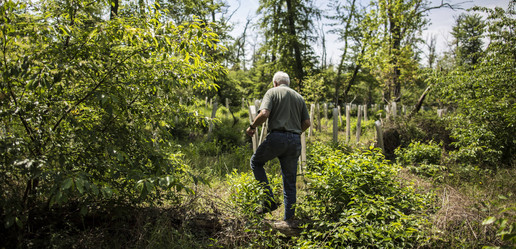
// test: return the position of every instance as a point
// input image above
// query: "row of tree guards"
(315, 116)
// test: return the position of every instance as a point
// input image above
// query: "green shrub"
(421, 159)
(505, 225)
(356, 201)
(419, 153)
(247, 194)
(476, 144)
(228, 135)
(364, 126)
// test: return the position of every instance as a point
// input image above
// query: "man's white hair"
(281, 78)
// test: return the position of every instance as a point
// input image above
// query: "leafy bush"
(228, 135)
(426, 126)
(506, 226)
(476, 144)
(247, 194)
(484, 120)
(88, 106)
(364, 126)
(421, 159)
(419, 153)
(355, 200)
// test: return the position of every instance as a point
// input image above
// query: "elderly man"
(287, 117)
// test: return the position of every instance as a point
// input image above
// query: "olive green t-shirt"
(287, 109)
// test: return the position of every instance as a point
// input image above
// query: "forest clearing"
(123, 125)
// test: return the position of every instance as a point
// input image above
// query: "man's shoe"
(267, 208)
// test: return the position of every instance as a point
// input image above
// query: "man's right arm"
(305, 124)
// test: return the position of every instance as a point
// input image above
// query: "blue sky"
(441, 21)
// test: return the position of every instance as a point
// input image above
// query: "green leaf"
(489, 220)
(107, 192)
(67, 184)
(79, 184)
(19, 223)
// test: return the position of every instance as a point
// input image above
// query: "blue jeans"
(287, 148)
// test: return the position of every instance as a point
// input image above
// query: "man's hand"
(250, 132)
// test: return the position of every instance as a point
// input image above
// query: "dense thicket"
(88, 104)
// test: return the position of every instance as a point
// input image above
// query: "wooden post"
(257, 104)
(365, 112)
(394, 109)
(303, 151)
(213, 114)
(379, 135)
(326, 111)
(387, 111)
(252, 115)
(340, 117)
(263, 134)
(335, 124)
(359, 122)
(312, 109)
(227, 104)
(319, 128)
(348, 121)
(441, 112)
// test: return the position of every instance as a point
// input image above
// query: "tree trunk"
(114, 9)
(339, 70)
(394, 87)
(299, 74)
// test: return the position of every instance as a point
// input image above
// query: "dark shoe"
(267, 208)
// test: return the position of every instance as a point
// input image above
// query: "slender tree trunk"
(351, 81)
(394, 87)
(141, 4)
(324, 54)
(358, 65)
(114, 9)
(341, 64)
(275, 24)
(299, 74)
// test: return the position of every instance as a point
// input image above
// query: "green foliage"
(419, 153)
(389, 29)
(421, 158)
(468, 31)
(315, 89)
(506, 227)
(355, 201)
(424, 127)
(228, 135)
(288, 30)
(477, 144)
(484, 119)
(87, 105)
(364, 126)
(247, 194)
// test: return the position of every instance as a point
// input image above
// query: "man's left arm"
(259, 120)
